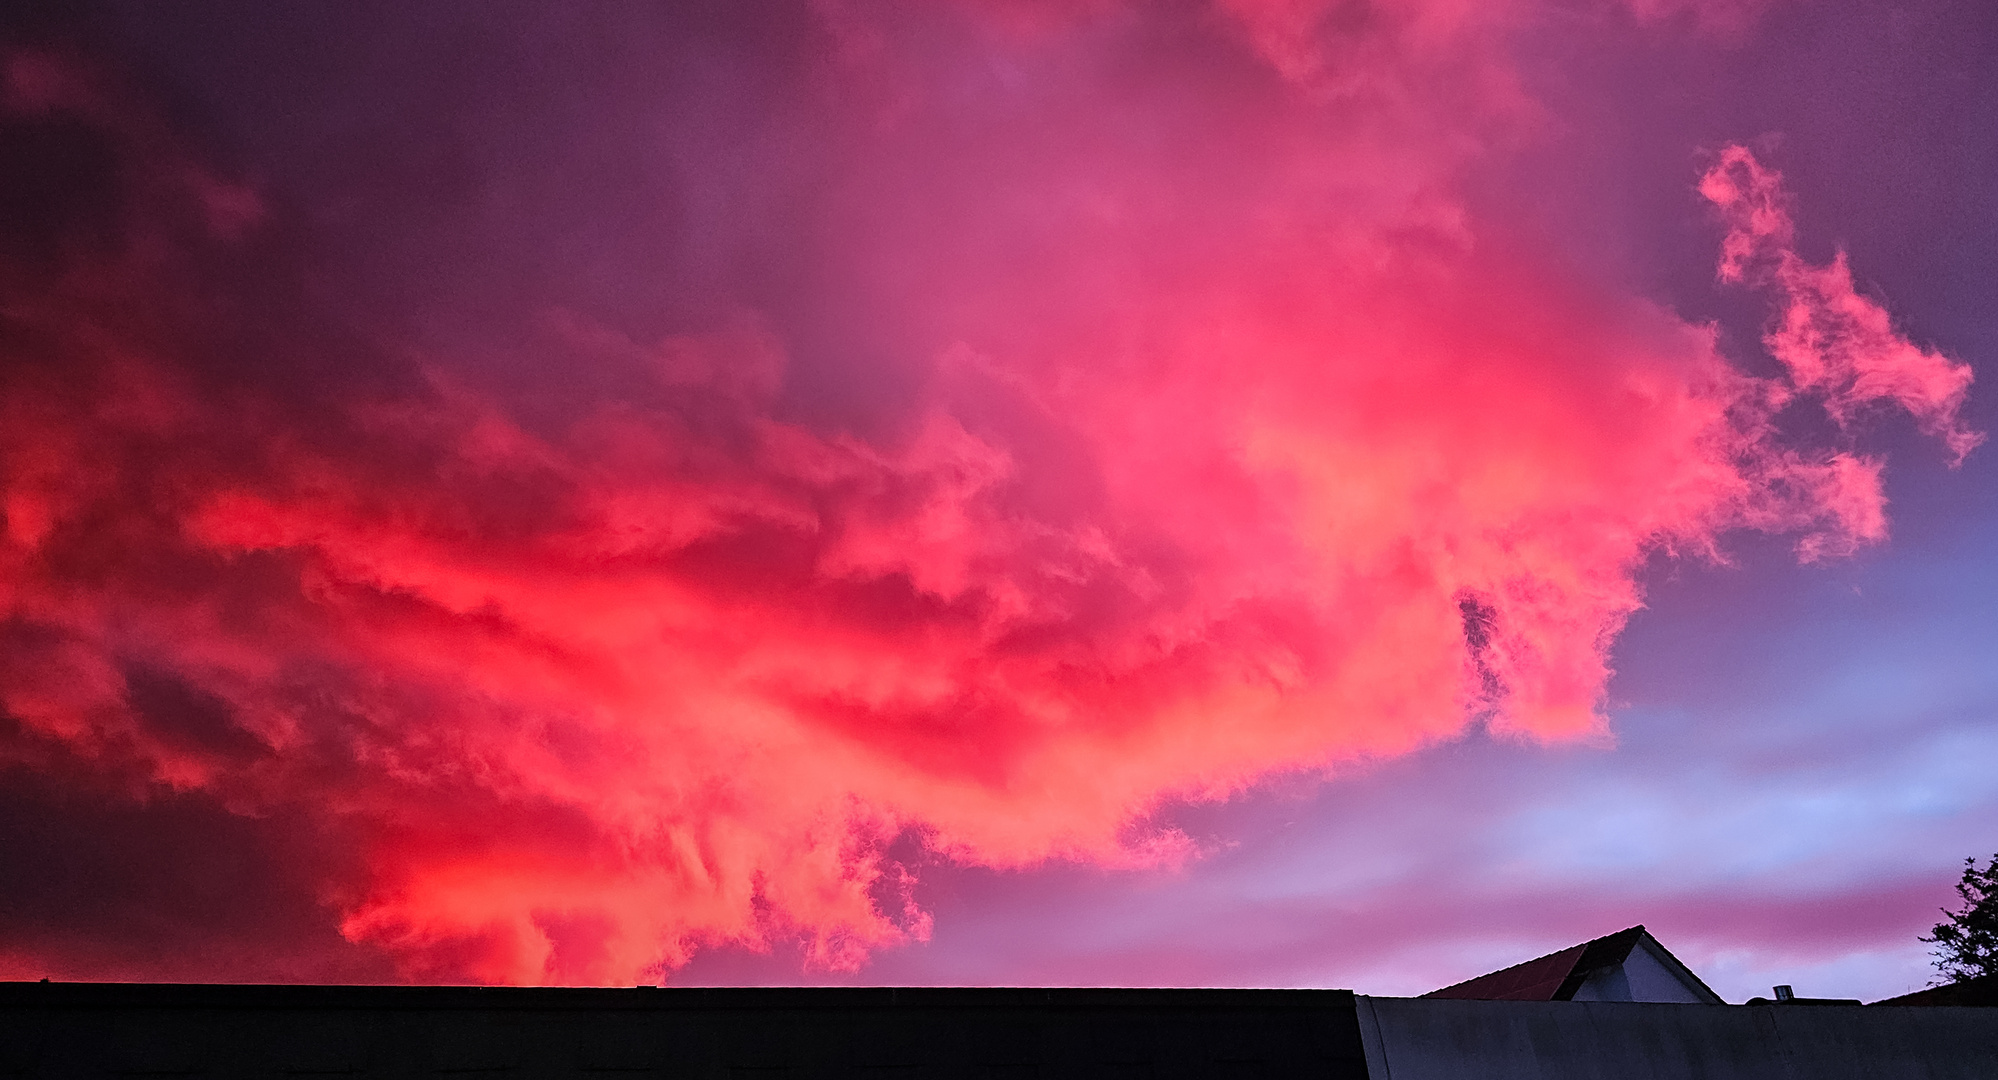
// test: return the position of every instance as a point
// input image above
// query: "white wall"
(1643, 976)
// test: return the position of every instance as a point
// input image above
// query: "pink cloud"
(1259, 459)
(1836, 344)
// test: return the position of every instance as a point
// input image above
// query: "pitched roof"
(1560, 975)
(1982, 990)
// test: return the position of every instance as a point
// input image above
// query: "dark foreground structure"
(766, 1034)
(113, 1030)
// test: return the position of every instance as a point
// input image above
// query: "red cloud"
(1193, 499)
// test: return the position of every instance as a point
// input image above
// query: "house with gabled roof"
(1629, 965)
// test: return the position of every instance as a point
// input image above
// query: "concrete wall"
(1431, 1039)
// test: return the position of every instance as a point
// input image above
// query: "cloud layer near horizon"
(1230, 443)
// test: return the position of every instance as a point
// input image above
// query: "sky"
(1346, 493)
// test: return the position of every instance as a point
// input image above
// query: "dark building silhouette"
(50, 1029)
(1446, 1039)
(1616, 1008)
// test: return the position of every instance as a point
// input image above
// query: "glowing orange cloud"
(1186, 503)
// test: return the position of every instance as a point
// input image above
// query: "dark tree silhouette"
(1967, 944)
